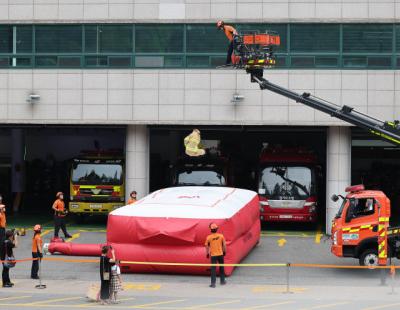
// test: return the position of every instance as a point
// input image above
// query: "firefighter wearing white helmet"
(37, 250)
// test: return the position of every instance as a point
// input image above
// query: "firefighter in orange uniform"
(230, 32)
(3, 221)
(216, 248)
(37, 253)
(132, 198)
(59, 215)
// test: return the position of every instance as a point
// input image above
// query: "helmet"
(220, 23)
(213, 226)
(37, 227)
(59, 194)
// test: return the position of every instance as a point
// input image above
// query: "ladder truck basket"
(264, 39)
(269, 38)
(254, 50)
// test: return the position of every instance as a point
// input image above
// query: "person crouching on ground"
(216, 248)
(116, 282)
(7, 256)
(37, 246)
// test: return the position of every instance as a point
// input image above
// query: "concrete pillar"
(338, 175)
(137, 160)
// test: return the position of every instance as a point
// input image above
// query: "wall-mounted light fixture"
(32, 98)
(237, 98)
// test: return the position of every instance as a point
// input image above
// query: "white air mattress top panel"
(194, 202)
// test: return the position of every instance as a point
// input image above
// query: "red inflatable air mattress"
(171, 225)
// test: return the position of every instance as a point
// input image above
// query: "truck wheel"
(369, 258)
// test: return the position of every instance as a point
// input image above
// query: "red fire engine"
(287, 185)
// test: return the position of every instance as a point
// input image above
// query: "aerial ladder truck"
(361, 227)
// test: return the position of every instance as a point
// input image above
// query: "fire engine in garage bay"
(211, 169)
(97, 183)
(361, 227)
(287, 185)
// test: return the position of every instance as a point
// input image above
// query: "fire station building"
(140, 75)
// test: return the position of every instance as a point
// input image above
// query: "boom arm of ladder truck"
(389, 131)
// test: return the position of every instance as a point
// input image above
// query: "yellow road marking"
(141, 287)
(276, 289)
(92, 231)
(382, 307)
(125, 299)
(157, 303)
(91, 304)
(214, 304)
(49, 301)
(268, 305)
(74, 236)
(46, 232)
(318, 235)
(327, 306)
(281, 242)
(16, 297)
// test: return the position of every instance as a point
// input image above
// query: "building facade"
(140, 64)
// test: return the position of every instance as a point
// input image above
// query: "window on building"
(205, 39)
(312, 45)
(309, 38)
(24, 39)
(58, 39)
(15, 39)
(6, 39)
(367, 38)
(159, 38)
(397, 29)
(108, 39)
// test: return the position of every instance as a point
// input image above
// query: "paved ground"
(248, 287)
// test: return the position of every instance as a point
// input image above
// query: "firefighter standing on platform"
(37, 253)
(216, 248)
(230, 32)
(59, 215)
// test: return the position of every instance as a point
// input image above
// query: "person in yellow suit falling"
(192, 144)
